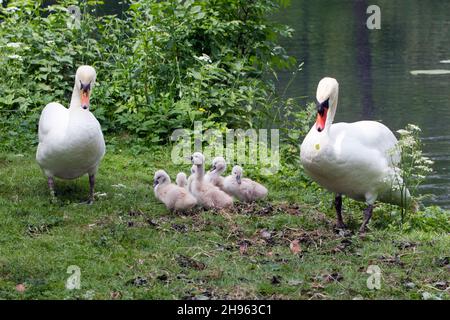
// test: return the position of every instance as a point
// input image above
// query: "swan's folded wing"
(373, 135)
(53, 119)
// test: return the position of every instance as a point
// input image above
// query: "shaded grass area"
(128, 246)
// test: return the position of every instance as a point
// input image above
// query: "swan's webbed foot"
(367, 215)
(338, 205)
(89, 201)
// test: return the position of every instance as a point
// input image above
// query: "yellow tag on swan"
(317, 146)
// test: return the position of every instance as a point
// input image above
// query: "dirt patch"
(265, 209)
(186, 262)
(392, 260)
(404, 245)
(4, 162)
(37, 229)
(138, 282)
(442, 261)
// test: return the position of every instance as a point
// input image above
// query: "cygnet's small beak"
(238, 179)
(212, 168)
(155, 183)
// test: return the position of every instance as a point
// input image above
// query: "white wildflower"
(13, 44)
(12, 9)
(413, 127)
(403, 132)
(205, 58)
(15, 57)
(119, 185)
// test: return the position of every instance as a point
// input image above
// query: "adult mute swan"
(354, 159)
(71, 142)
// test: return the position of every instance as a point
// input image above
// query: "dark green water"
(373, 68)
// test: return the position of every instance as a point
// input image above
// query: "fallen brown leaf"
(187, 262)
(243, 248)
(21, 288)
(295, 247)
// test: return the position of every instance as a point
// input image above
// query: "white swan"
(71, 142)
(355, 159)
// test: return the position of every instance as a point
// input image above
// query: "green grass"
(128, 246)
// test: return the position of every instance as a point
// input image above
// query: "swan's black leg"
(91, 188)
(51, 186)
(338, 205)
(367, 216)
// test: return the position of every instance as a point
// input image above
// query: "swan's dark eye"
(85, 87)
(321, 106)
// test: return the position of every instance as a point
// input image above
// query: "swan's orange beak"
(85, 98)
(322, 111)
(321, 119)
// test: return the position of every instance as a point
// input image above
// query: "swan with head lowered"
(353, 159)
(71, 141)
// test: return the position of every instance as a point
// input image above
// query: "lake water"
(374, 67)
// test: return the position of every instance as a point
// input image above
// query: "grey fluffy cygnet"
(244, 189)
(181, 180)
(208, 195)
(191, 178)
(174, 197)
(214, 176)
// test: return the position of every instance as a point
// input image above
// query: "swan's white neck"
(75, 102)
(331, 112)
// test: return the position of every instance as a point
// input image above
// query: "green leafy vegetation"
(162, 66)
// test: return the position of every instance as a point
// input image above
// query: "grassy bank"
(128, 245)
